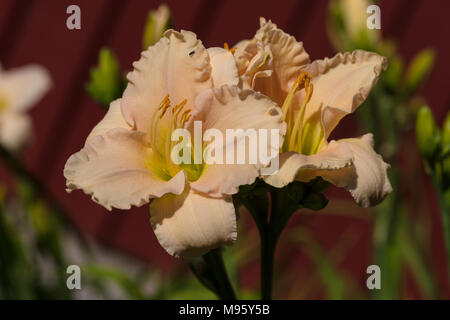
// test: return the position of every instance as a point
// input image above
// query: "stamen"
(302, 81)
(309, 91)
(184, 115)
(299, 84)
(226, 47)
(176, 110)
(158, 114)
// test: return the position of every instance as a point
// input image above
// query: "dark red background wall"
(34, 31)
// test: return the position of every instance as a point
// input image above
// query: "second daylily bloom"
(127, 157)
(314, 97)
(20, 89)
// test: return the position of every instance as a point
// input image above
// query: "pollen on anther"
(226, 47)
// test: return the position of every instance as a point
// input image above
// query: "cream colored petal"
(294, 166)
(177, 65)
(224, 70)
(288, 56)
(24, 87)
(253, 60)
(15, 129)
(232, 108)
(341, 84)
(368, 181)
(191, 224)
(112, 119)
(245, 51)
(113, 169)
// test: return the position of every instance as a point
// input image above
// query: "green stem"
(268, 245)
(214, 259)
(445, 215)
(213, 274)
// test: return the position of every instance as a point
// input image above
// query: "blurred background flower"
(20, 90)
(322, 254)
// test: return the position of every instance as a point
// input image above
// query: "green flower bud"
(393, 74)
(446, 131)
(427, 133)
(446, 145)
(158, 22)
(419, 69)
(106, 83)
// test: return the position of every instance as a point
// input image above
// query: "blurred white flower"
(20, 89)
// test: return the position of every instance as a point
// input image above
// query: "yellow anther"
(184, 115)
(226, 47)
(164, 102)
(179, 106)
(163, 106)
(302, 81)
(176, 111)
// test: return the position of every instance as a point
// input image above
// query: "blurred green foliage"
(389, 113)
(434, 145)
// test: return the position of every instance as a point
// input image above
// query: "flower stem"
(267, 262)
(271, 217)
(223, 285)
(211, 272)
(445, 214)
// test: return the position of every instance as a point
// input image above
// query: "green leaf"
(106, 83)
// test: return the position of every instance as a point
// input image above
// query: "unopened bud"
(427, 133)
(158, 22)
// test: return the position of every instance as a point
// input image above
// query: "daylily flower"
(20, 89)
(314, 98)
(126, 159)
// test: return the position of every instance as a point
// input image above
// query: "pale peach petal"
(177, 65)
(224, 70)
(341, 84)
(287, 55)
(253, 60)
(294, 166)
(112, 119)
(233, 108)
(368, 182)
(15, 129)
(191, 224)
(113, 168)
(245, 51)
(24, 87)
